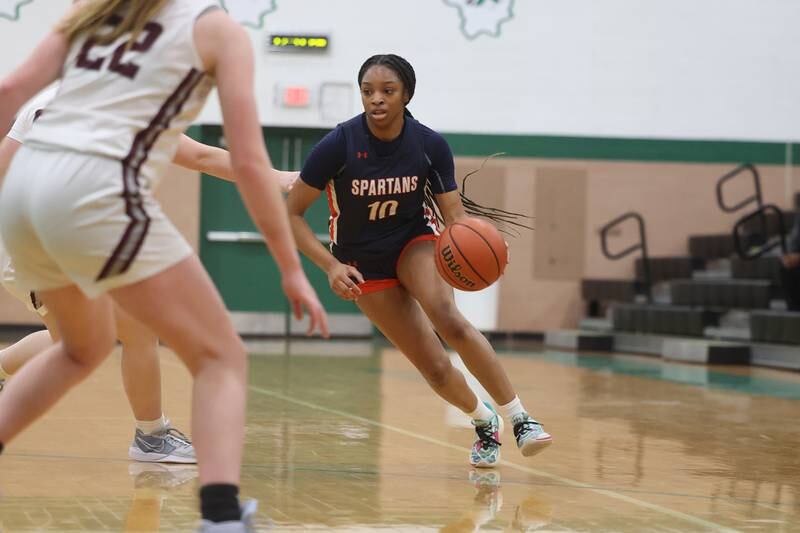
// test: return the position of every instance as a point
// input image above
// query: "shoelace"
(486, 436)
(175, 436)
(525, 426)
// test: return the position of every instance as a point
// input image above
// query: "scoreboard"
(298, 43)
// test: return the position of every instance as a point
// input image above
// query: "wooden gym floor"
(345, 436)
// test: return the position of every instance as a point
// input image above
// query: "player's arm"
(300, 198)
(227, 53)
(217, 162)
(343, 279)
(8, 147)
(451, 207)
(41, 69)
(442, 179)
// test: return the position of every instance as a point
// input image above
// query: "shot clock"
(280, 42)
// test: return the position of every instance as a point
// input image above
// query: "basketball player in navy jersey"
(378, 169)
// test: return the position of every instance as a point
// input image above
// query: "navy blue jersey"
(376, 189)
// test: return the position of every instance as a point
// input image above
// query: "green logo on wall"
(250, 12)
(9, 9)
(482, 17)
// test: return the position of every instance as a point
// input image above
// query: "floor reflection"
(349, 437)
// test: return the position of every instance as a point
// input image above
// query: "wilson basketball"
(471, 254)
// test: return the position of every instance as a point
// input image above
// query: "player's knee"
(453, 327)
(437, 372)
(89, 353)
(105, 342)
(215, 353)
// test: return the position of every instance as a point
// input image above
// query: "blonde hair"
(92, 15)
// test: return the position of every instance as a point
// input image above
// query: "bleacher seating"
(781, 327)
(711, 246)
(709, 294)
(722, 293)
(667, 268)
(663, 319)
(609, 290)
(767, 268)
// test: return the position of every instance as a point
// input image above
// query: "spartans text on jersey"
(383, 186)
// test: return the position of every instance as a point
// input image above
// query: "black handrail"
(642, 245)
(761, 250)
(756, 197)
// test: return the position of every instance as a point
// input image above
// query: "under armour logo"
(362, 155)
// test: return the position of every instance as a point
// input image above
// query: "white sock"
(149, 427)
(3, 373)
(514, 407)
(481, 412)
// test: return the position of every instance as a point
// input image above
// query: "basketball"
(471, 254)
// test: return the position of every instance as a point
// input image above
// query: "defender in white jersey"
(155, 440)
(17, 133)
(82, 228)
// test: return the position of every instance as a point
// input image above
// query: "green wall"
(615, 149)
(245, 273)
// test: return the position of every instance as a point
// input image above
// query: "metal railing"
(749, 252)
(641, 245)
(755, 197)
(758, 241)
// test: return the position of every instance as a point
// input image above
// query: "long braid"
(507, 221)
(430, 198)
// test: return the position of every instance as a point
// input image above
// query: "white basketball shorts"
(69, 218)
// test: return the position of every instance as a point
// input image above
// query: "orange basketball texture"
(471, 254)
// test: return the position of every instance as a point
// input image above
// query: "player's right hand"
(287, 180)
(301, 295)
(344, 280)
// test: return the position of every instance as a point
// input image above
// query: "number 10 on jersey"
(381, 210)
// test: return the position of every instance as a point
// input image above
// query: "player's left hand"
(302, 297)
(344, 280)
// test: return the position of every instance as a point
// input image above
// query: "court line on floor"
(566, 481)
(449, 477)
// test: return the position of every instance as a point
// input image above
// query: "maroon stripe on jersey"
(35, 301)
(136, 231)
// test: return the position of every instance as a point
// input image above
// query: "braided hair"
(506, 221)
